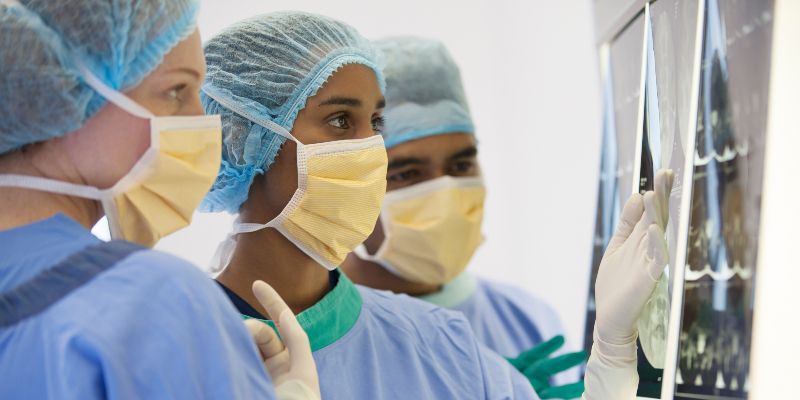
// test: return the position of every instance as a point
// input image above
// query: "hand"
(538, 368)
(292, 362)
(633, 263)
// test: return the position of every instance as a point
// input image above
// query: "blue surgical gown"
(376, 345)
(150, 327)
(506, 319)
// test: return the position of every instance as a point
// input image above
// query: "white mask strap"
(10, 3)
(51, 185)
(114, 96)
(266, 123)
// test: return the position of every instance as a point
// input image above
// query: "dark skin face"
(411, 163)
(348, 106)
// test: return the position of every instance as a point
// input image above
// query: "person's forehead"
(352, 80)
(433, 147)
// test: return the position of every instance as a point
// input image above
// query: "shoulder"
(152, 288)
(517, 297)
(522, 302)
(409, 312)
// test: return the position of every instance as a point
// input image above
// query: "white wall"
(530, 72)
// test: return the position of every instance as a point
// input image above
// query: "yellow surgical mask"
(431, 229)
(161, 191)
(340, 187)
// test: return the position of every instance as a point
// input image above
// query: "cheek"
(108, 146)
(281, 178)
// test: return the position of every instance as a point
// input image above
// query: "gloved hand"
(633, 262)
(538, 368)
(287, 359)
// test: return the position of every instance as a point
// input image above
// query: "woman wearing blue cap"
(304, 166)
(84, 319)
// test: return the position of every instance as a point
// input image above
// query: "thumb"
(657, 252)
(265, 337)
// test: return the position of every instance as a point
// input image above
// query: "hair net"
(264, 69)
(424, 95)
(42, 94)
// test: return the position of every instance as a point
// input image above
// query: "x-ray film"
(714, 342)
(670, 36)
(621, 87)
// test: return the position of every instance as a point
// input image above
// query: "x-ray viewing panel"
(621, 87)
(669, 60)
(714, 342)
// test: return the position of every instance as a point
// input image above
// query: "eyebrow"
(186, 70)
(405, 161)
(470, 151)
(341, 101)
(349, 101)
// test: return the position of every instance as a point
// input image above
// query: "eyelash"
(174, 92)
(341, 122)
(378, 124)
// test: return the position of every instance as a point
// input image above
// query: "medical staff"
(101, 115)
(430, 225)
(301, 98)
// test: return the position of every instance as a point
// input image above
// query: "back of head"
(42, 94)
(424, 94)
(263, 70)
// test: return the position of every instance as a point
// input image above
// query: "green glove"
(538, 368)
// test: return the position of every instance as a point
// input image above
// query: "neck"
(25, 206)
(268, 256)
(373, 275)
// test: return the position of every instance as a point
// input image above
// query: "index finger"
(270, 300)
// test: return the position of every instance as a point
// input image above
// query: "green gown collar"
(454, 292)
(332, 317)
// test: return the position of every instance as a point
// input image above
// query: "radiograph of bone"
(714, 344)
(621, 86)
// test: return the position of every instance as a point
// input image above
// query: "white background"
(531, 74)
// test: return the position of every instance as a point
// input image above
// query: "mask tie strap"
(114, 96)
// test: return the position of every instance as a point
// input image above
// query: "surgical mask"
(431, 229)
(161, 191)
(340, 187)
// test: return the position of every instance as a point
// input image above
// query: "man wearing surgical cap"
(430, 225)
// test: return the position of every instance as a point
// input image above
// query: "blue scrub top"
(150, 327)
(371, 344)
(504, 318)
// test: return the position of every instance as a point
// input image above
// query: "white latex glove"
(288, 361)
(631, 266)
(633, 262)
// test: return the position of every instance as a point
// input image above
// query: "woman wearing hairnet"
(433, 213)
(430, 223)
(301, 98)
(84, 319)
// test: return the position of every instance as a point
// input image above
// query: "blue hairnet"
(42, 95)
(424, 95)
(264, 69)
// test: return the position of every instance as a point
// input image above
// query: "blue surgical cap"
(265, 69)
(424, 96)
(42, 94)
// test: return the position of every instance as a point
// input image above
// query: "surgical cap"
(424, 96)
(262, 71)
(42, 94)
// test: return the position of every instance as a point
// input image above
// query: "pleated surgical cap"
(424, 95)
(265, 69)
(42, 94)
